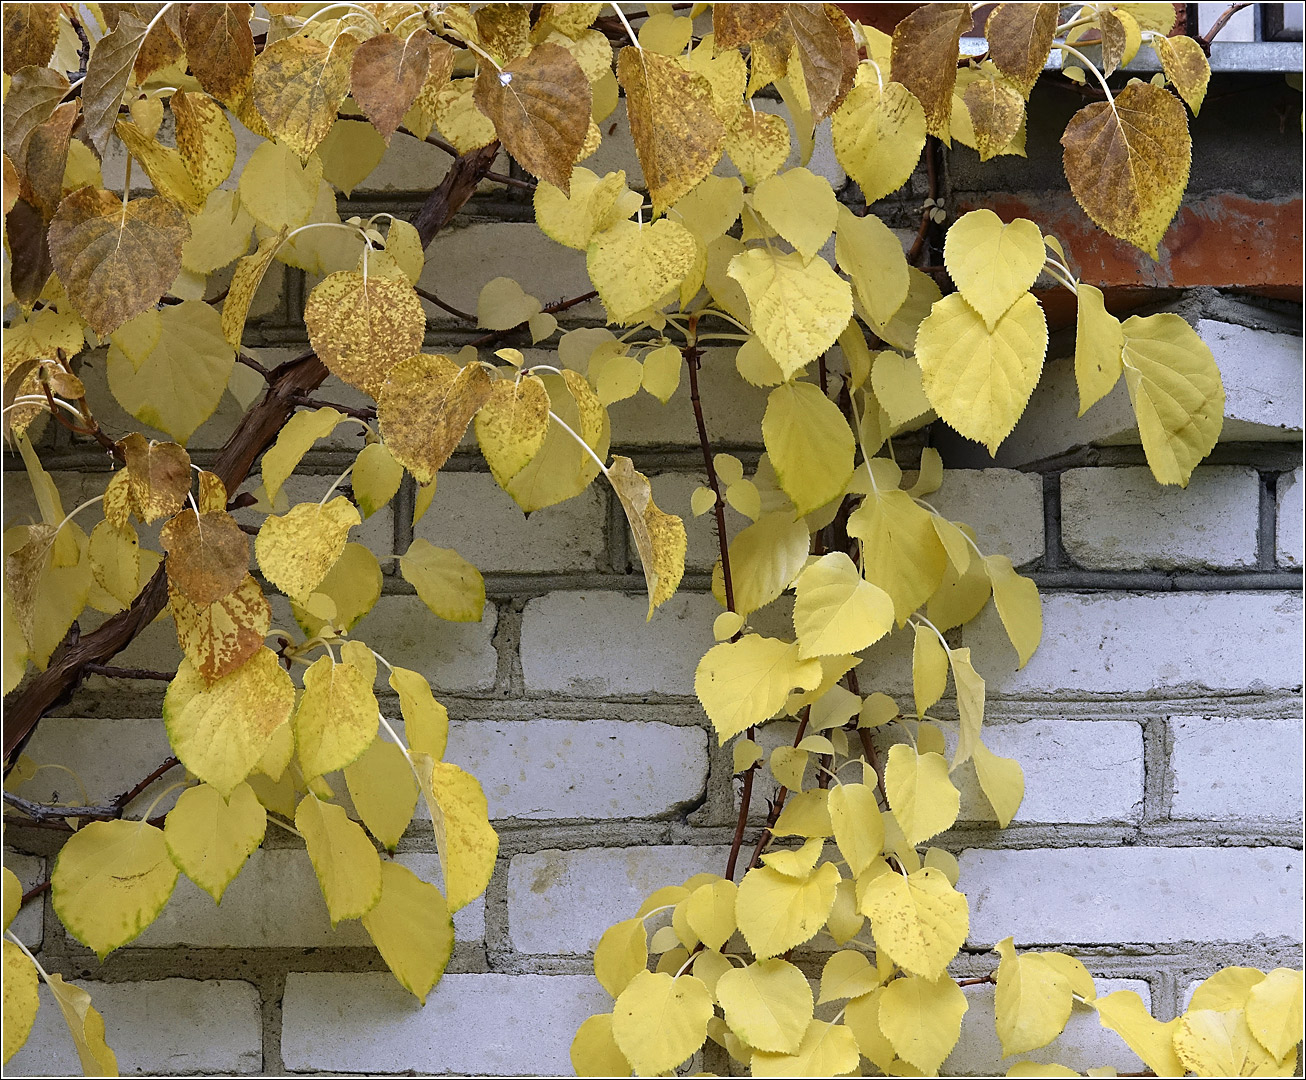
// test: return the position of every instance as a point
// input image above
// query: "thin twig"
(44, 812)
(34, 892)
(1205, 40)
(366, 414)
(511, 181)
(780, 796)
(548, 309)
(250, 362)
(110, 672)
(457, 313)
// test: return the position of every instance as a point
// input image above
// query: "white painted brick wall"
(276, 903)
(473, 515)
(1288, 528)
(672, 492)
(560, 902)
(1084, 1044)
(1105, 896)
(29, 924)
(1229, 768)
(175, 1027)
(1004, 507)
(1122, 519)
(453, 656)
(1148, 645)
(472, 1024)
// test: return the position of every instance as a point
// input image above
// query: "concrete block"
(1122, 519)
(1228, 768)
(589, 644)
(597, 769)
(1105, 896)
(1148, 645)
(169, 1027)
(1288, 526)
(1084, 1043)
(473, 515)
(276, 903)
(560, 902)
(471, 1025)
(29, 924)
(452, 656)
(1004, 507)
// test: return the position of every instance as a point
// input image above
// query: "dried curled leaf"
(659, 536)
(30, 32)
(107, 72)
(362, 327)
(925, 59)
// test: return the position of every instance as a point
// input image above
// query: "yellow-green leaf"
(1185, 65)
(636, 266)
(446, 582)
(768, 1004)
(835, 611)
(1001, 779)
(352, 585)
(21, 999)
(901, 552)
(110, 881)
(777, 912)
(745, 682)
(336, 719)
(467, 843)
(847, 974)
(825, 1050)
(277, 189)
(384, 792)
(375, 478)
(209, 837)
(800, 206)
(658, 1022)
(993, 264)
(858, 826)
(347, 866)
(1099, 342)
(294, 440)
(879, 132)
(297, 549)
(868, 252)
(922, 1018)
(426, 721)
(923, 798)
(412, 929)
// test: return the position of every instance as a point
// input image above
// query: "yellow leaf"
(869, 253)
(899, 389)
(1186, 66)
(459, 120)
(809, 444)
(425, 406)
(1001, 779)
(921, 921)
(768, 1004)
(1274, 1011)
(375, 479)
(561, 469)
(209, 837)
(277, 189)
(901, 551)
(825, 1050)
(777, 912)
(922, 1018)
(858, 826)
(710, 911)
(1227, 989)
(384, 792)
(979, 380)
(658, 1022)
(923, 798)
(297, 549)
(220, 730)
(793, 864)
(847, 974)
(1127, 162)
(512, 425)
(594, 1051)
(593, 205)
(801, 207)
(467, 843)
(622, 952)
(673, 124)
(115, 559)
(764, 558)
(426, 721)
(806, 814)
(347, 866)
(294, 440)
(1018, 605)
(1021, 38)
(298, 86)
(1099, 342)
(336, 719)
(1212, 1043)
(835, 611)
(244, 284)
(745, 682)
(996, 111)
(922, 295)
(110, 881)
(659, 536)
(993, 264)
(879, 132)
(635, 266)
(1034, 996)
(862, 1017)
(85, 1025)
(163, 165)
(361, 328)
(798, 309)
(21, 999)
(412, 929)
(758, 144)
(929, 668)
(446, 582)
(205, 141)
(13, 890)
(925, 59)
(1124, 1013)
(1176, 391)
(352, 585)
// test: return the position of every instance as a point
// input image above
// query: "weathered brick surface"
(473, 1024)
(28, 925)
(1233, 768)
(1104, 896)
(175, 1027)
(453, 656)
(1004, 507)
(1122, 519)
(560, 902)
(1288, 528)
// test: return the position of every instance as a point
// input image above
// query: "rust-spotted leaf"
(219, 48)
(512, 424)
(425, 407)
(361, 327)
(157, 476)
(925, 59)
(30, 32)
(219, 637)
(297, 549)
(389, 72)
(298, 86)
(208, 554)
(1020, 38)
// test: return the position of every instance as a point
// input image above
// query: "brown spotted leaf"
(47, 158)
(388, 73)
(676, 132)
(205, 140)
(1127, 162)
(162, 45)
(219, 48)
(996, 112)
(1020, 38)
(213, 492)
(298, 86)
(540, 106)
(12, 182)
(163, 165)
(218, 637)
(33, 94)
(925, 47)
(107, 73)
(825, 48)
(244, 284)
(25, 566)
(208, 554)
(1186, 66)
(116, 261)
(504, 30)
(31, 266)
(425, 407)
(362, 327)
(297, 550)
(737, 24)
(512, 424)
(30, 32)
(158, 476)
(659, 536)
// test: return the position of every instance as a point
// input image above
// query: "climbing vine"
(730, 248)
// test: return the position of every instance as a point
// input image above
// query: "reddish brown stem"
(1205, 40)
(548, 309)
(780, 797)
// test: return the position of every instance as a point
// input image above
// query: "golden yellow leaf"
(1274, 1011)
(925, 46)
(412, 929)
(347, 866)
(21, 983)
(1099, 342)
(467, 843)
(1035, 992)
(594, 1050)
(768, 1004)
(922, 1019)
(277, 188)
(353, 585)
(869, 253)
(560, 468)
(920, 920)
(777, 912)
(592, 205)
(659, 536)
(801, 207)
(336, 719)
(244, 284)
(512, 424)
(635, 266)
(1127, 162)
(1018, 605)
(676, 132)
(1186, 66)
(835, 611)
(993, 264)
(115, 261)
(209, 837)
(658, 1022)
(902, 553)
(163, 165)
(85, 1025)
(363, 327)
(1211, 1043)
(1020, 38)
(1124, 1013)
(424, 408)
(745, 682)
(296, 550)
(298, 86)
(383, 789)
(978, 380)
(758, 144)
(920, 792)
